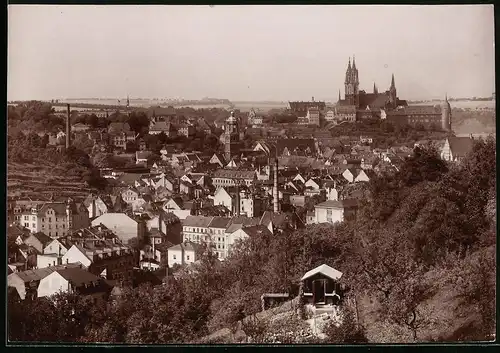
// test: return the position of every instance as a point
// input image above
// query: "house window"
(50, 234)
(26, 225)
(175, 257)
(50, 219)
(187, 257)
(329, 215)
(26, 218)
(34, 225)
(34, 218)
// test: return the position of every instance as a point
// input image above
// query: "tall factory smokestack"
(275, 187)
(237, 199)
(68, 128)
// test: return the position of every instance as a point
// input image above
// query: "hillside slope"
(41, 178)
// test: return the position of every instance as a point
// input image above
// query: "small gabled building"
(455, 149)
(185, 253)
(335, 211)
(72, 280)
(38, 240)
(321, 286)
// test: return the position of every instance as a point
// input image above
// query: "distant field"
(464, 104)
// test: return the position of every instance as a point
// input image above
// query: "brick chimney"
(68, 128)
(160, 221)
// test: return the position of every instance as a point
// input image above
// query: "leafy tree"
(348, 331)
(424, 164)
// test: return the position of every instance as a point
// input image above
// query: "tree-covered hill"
(418, 262)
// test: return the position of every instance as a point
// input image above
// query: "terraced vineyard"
(42, 179)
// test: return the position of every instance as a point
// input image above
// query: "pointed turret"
(375, 88)
(339, 95)
(354, 62)
(349, 66)
(392, 82)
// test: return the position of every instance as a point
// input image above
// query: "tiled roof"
(416, 110)
(161, 111)
(234, 174)
(143, 154)
(44, 239)
(257, 230)
(460, 146)
(341, 204)
(118, 127)
(220, 222)
(345, 109)
(197, 221)
(77, 276)
(162, 126)
(38, 274)
(186, 246)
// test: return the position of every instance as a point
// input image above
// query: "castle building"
(435, 117)
(231, 138)
(308, 113)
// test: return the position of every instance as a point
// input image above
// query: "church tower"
(446, 115)
(393, 93)
(352, 84)
(231, 138)
(375, 90)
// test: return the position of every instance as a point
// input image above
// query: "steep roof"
(78, 276)
(118, 127)
(257, 230)
(220, 222)
(197, 221)
(161, 111)
(460, 146)
(234, 174)
(340, 204)
(44, 239)
(326, 270)
(38, 274)
(162, 126)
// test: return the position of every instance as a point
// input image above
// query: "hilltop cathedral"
(368, 101)
(358, 104)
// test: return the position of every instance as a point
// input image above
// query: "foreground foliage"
(421, 251)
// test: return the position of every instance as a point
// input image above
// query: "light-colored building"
(195, 229)
(335, 211)
(183, 254)
(130, 195)
(225, 178)
(26, 282)
(313, 117)
(55, 218)
(176, 207)
(69, 280)
(125, 227)
(222, 197)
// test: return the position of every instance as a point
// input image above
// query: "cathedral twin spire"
(351, 75)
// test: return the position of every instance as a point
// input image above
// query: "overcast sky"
(247, 52)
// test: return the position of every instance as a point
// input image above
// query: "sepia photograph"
(251, 174)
